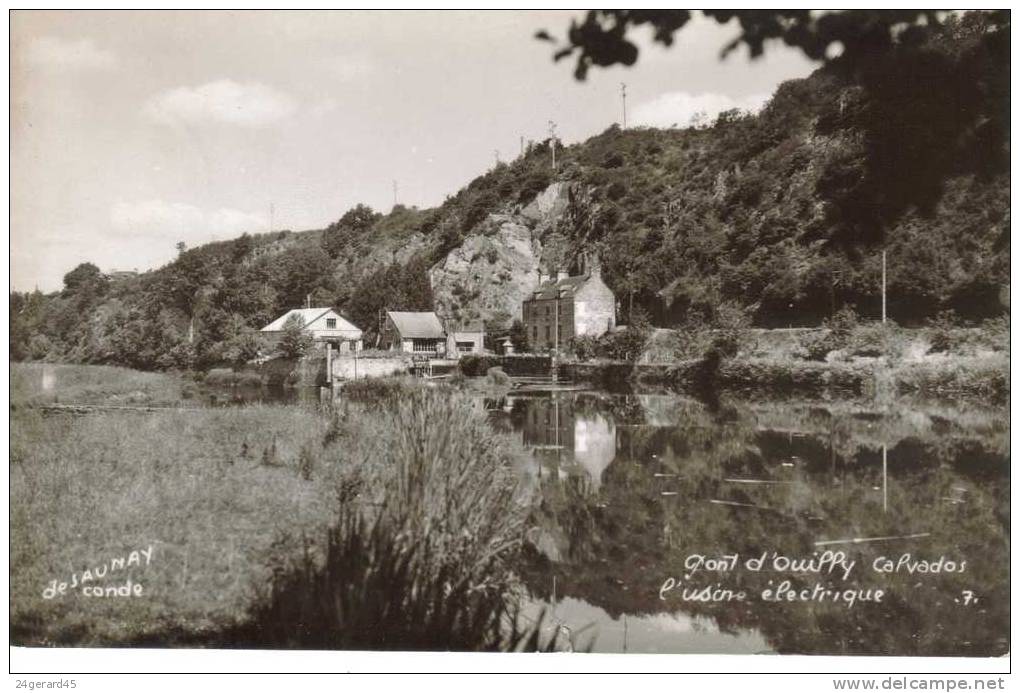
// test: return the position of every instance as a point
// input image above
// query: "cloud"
(223, 101)
(349, 67)
(69, 54)
(178, 221)
(681, 108)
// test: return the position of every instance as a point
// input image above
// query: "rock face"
(488, 276)
(496, 267)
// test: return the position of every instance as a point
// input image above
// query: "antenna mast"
(623, 96)
(552, 142)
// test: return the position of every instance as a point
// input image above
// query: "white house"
(325, 325)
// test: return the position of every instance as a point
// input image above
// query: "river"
(633, 488)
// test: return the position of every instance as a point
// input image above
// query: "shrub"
(876, 340)
(374, 590)
(941, 331)
(836, 336)
(731, 324)
(612, 160)
(474, 365)
(535, 183)
(294, 341)
(616, 191)
(496, 376)
(585, 347)
(375, 391)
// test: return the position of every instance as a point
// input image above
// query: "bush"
(374, 590)
(375, 391)
(294, 341)
(496, 376)
(941, 331)
(731, 324)
(836, 336)
(474, 365)
(626, 344)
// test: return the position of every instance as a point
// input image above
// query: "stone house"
(565, 307)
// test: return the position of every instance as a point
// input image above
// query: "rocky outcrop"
(488, 276)
(496, 267)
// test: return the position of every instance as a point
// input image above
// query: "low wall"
(516, 365)
(347, 367)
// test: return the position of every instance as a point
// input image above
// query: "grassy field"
(226, 505)
(49, 383)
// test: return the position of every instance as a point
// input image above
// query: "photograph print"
(610, 331)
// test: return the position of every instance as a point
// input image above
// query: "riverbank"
(867, 360)
(985, 379)
(239, 508)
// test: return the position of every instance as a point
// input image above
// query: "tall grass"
(408, 502)
(188, 483)
(373, 590)
(421, 556)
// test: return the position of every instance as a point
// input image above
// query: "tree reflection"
(776, 477)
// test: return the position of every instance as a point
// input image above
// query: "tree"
(243, 347)
(519, 337)
(299, 272)
(85, 282)
(955, 69)
(295, 341)
(353, 223)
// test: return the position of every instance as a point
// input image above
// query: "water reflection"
(632, 485)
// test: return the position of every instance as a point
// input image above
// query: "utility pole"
(394, 193)
(623, 96)
(272, 212)
(522, 145)
(496, 152)
(552, 142)
(883, 287)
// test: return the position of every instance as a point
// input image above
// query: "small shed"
(468, 338)
(413, 332)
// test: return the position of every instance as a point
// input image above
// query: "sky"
(132, 131)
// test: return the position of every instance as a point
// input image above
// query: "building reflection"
(571, 440)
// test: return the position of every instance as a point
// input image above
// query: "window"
(548, 333)
(465, 347)
(424, 345)
(330, 323)
(534, 333)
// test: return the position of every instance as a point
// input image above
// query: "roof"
(308, 316)
(469, 327)
(417, 325)
(553, 287)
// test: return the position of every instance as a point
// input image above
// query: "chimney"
(539, 270)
